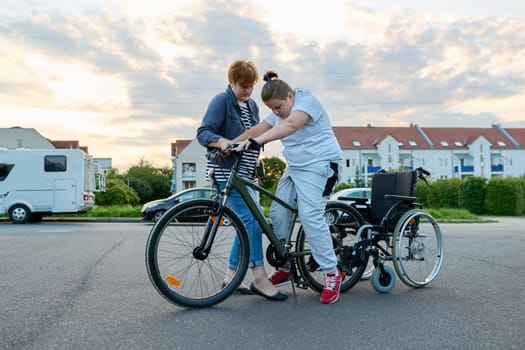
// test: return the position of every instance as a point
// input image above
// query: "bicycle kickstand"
(296, 278)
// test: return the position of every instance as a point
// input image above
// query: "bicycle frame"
(241, 185)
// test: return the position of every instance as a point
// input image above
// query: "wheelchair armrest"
(401, 198)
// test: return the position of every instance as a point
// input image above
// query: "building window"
(188, 172)
(347, 163)
(356, 143)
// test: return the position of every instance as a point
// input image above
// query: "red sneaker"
(280, 277)
(332, 286)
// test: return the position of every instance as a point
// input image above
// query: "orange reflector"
(213, 218)
(173, 281)
(411, 222)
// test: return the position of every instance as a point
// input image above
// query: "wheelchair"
(393, 227)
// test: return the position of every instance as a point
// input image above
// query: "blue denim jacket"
(223, 118)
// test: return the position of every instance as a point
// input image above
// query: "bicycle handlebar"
(254, 145)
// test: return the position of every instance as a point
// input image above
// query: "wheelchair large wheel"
(417, 252)
(343, 221)
(182, 273)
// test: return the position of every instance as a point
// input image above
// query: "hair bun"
(270, 75)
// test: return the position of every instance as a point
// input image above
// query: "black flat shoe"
(277, 297)
(240, 290)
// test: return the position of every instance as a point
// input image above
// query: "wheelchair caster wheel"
(383, 282)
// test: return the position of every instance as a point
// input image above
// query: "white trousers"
(308, 189)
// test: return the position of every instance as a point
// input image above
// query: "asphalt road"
(84, 286)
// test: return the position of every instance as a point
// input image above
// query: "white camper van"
(38, 182)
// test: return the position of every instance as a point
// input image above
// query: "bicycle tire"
(336, 213)
(174, 270)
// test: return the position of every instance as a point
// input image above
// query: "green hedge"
(497, 196)
(472, 191)
(505, 196)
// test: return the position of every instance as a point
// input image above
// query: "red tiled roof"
(65, 143)
(369, 136)
(178, 146)
(416, 137)
(461, 137)
(518, 135)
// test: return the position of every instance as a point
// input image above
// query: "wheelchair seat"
(392, 195)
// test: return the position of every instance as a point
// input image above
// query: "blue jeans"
(240, 208)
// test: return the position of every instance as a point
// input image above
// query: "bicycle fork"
(202, 251)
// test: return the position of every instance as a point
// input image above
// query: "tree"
(273, 170)
(150, 183)
(358, 181)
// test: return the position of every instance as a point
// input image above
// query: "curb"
(84, 219)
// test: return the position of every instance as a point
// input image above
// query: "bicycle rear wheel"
(343, 221)
(417, 252)
(182, 274)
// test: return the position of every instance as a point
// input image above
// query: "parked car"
(348, 194)
(153, 210)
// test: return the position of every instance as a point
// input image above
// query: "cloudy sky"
(128, 77)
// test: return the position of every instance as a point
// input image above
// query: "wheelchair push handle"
(422, 173)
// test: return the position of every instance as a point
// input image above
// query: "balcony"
(496, 168)
(464, 169)
(370, 169)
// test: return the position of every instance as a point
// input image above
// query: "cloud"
(147, 77)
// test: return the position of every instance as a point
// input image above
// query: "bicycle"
(188, 248)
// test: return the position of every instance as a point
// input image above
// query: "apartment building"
(447, 152)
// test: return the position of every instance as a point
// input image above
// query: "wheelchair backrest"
(399, 183)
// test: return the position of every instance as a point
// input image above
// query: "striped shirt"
(249, 158)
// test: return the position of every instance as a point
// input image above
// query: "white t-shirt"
(315, 141)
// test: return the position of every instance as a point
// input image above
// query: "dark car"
(153, 210)
(351, 194)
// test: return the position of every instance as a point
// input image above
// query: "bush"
(422, 193)
(505, 196)
(117, 193)
(444, 193)
(472, 191)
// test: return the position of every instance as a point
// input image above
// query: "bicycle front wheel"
(417, 252)
(343, 221)
(182, 273)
